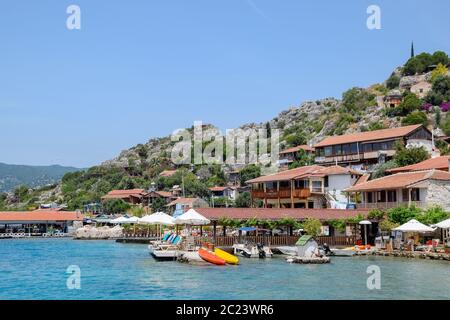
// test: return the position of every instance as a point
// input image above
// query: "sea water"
(38, 269)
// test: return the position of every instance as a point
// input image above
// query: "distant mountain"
(12, 176)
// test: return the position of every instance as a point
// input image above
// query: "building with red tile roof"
(133, 196)
(38, 222)
(366, 149)
(438, 163)
(419, 188)
(305, 187)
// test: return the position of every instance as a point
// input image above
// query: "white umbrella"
(133, 220)
(120, 220)
(159, 218)
(193, 218)
(414, 226)
(444, 224)
(365, 223)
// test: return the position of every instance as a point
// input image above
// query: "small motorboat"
(343, 252)
(252, 251)
(210, 257)
(229, 258)
(288, 251)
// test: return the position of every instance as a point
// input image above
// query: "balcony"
(282, 194)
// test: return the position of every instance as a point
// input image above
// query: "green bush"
(401, 215)
(415, 117)
(312, 227)
(393, 82)
(407, 156)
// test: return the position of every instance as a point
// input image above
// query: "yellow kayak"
(229, 258)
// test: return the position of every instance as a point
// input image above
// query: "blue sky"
(139, 69)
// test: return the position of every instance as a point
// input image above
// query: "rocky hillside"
(359, 109)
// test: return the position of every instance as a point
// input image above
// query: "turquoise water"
(36, 269)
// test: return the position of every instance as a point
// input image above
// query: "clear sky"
(139, 69)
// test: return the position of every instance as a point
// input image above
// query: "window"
(367, 147)
(415, 194)
(271, 186)
(354, 148)
(302, 184)
(392, 196)
(346, 149)
(328, 151)
(337, 150)
(319, 152)
(285, 185)
(317, 186)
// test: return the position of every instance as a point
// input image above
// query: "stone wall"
(438, 194)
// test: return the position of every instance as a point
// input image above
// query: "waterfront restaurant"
(330, 236)
(39, 222)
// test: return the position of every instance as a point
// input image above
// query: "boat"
(349, 252)
(210, 257)
(288, 251)
(252, 251)
(163, 254)
(229, 258)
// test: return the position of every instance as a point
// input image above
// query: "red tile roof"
(439, 163)
(336, 170)
(369, 136)
(164, 194)
(287, 175)
(122, 194)
(41, 215)
(400, 180)
(305, 172)
(297, 149)
(215, 214)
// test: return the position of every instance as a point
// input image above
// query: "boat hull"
(211, 257)
(229, 258)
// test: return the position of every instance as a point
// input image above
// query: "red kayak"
(211, 257)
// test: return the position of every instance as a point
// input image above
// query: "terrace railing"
(389, 205)
(273, 241)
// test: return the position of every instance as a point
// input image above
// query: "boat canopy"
(248, 229)
(304, 240)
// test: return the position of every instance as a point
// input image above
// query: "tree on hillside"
(415, 117)
(243, 200)
(393, 82)
(159, 205)
(303, 159)
(249, 172)
(420, 63)
(446, 124)
(409, 104)
(407, 156)
(116, 206)
(440, 71)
